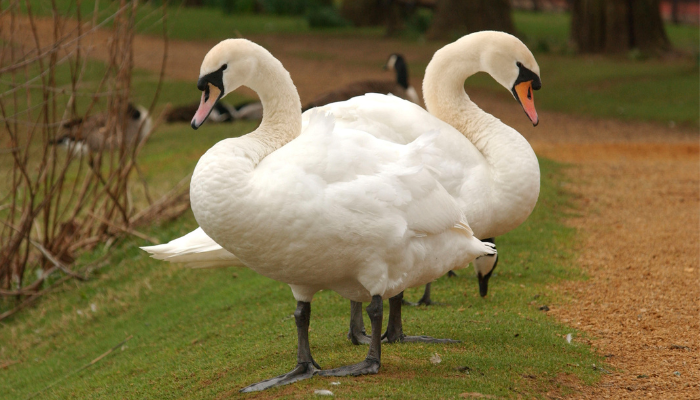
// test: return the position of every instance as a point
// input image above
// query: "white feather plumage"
(486, 166)
(334, 208)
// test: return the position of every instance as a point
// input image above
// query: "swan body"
(367, 217)
(329, 208)
(486, 166)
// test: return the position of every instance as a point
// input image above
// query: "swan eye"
(518, 64)
(224, 67)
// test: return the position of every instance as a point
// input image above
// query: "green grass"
(207, 333)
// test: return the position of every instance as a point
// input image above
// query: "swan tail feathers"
(478, 247)
(485, 248)
(194, 250)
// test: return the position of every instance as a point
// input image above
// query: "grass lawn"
(207, 333)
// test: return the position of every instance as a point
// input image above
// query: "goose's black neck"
(401, 72)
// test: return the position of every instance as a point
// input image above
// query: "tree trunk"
(617, 26)
(674, 12)
(364, 12)
(455, 18)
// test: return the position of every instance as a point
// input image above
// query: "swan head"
(226, 67)
(484, 267)
(511, 64)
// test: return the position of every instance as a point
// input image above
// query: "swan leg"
(394, 330)
(451, 274)
(306, 366)
(424, 301)
(371, 363)
(357, 333)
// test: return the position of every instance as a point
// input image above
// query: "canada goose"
(82, 136)
(400, 87)
(322, 207)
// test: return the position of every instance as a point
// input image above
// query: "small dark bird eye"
(518, 64)
(224, 67)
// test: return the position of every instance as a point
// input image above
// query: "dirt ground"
(637, 184)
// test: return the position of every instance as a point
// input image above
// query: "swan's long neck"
(223, 189)
(281, 120)
(512, 164)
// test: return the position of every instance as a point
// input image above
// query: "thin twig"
(32, 298)
(31, 288)
(124, 229)
(91, 363)
(8, 363)
(55, 262)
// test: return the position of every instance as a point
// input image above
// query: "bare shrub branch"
(57, 204)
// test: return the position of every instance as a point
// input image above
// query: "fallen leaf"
(8, 363)
(476, 395)
(435, 359)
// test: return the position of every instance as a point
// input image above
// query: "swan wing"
(456, 163)
(378, 181)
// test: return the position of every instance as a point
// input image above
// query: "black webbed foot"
(306, 365)
(301, 372)
(357, 334)
(427, 339)
(394, 330)
(368, 366)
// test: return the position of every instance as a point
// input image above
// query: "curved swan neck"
(512, 165)
(445, 98)
(443, 86)
(281, 120)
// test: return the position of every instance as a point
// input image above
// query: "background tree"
(617, 26)
(364, 12)
(455, 18)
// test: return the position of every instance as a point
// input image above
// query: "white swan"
(331, 208)
(486, 165)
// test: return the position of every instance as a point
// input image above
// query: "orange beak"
(210, 96)
(523, 91)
